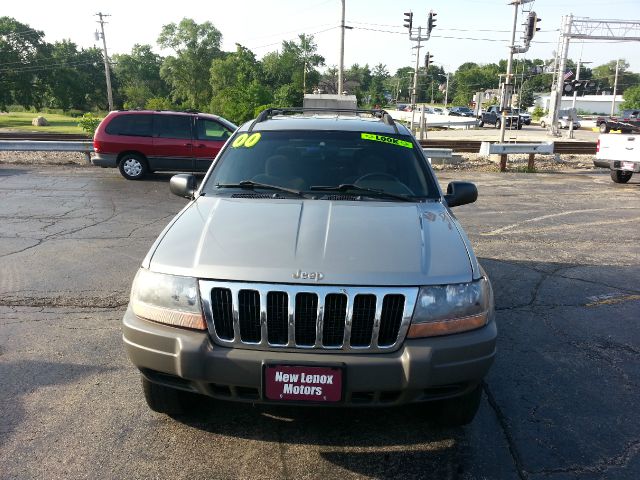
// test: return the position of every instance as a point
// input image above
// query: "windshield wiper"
(250, 184)
(345, 187)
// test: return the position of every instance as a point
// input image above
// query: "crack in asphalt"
(504, 426)
(621, 460)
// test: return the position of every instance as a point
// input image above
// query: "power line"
(280, 42)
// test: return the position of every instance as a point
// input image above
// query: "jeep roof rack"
(270, 112)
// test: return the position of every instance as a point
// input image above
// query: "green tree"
(631, 98)
(237, 87)
(23, 60)
(285, 71)
(471, 77)
(78, 80)
(376, 92)
(195, 46)
(138, 74)
(526, 95)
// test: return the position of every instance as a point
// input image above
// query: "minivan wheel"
(168, 400)
(132, 166)
(458, 411)
(620, 176)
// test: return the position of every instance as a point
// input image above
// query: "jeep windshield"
(323, 164)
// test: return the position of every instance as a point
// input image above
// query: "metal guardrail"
(488, 148)
(44, 146)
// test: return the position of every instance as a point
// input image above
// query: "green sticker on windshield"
(384, 139)
(246, 140)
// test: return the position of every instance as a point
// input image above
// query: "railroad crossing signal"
(531, 26)
(431, 21)
(408, 20)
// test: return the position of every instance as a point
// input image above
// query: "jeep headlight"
(168, 299)
(445, 309)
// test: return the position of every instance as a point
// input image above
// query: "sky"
(481, 27)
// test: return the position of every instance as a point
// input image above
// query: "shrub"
(89, 122)
(159, 103)
(538, 112)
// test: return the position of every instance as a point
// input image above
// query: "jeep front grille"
(324, 318)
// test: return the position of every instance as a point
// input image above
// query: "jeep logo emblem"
(316, 276)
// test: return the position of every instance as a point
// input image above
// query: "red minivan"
(140, 142)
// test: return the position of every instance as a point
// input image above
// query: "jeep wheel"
(620, 176)
(519, 126)
(543, 125)
(604, 128)
(167, 400)
(132, 166)
(457, 411)
(498, 123)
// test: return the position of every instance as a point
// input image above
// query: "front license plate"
(627, 166)
(301, 383)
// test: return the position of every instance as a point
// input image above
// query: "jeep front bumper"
(420, 370)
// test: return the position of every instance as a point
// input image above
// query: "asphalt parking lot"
(561, 402)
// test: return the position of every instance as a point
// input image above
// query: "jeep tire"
(167, 400)
(458, 411)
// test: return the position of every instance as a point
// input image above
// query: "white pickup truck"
(619, 153)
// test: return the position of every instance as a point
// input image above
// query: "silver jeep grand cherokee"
(318, 263)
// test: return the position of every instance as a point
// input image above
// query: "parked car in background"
(564, 120)
(627, 122)
(620, 154)
(493, 116)
(525, 117)
(461, 112)
(141, 142)
(439, 111)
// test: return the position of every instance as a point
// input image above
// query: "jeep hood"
(349, 242)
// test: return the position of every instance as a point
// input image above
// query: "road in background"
(562, 250)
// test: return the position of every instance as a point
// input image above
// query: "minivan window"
(211, 130)
(172, 126)
(134, 125)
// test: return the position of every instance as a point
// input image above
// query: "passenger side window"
(172, 126)
(135, 125)
(211, 130)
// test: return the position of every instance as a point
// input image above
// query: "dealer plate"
(303, 383)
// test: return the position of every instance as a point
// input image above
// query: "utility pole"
(446, 92)
(341, 68)
(106, 59)
(615, 88)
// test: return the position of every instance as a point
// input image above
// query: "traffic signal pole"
(414, 90)
(506, 89)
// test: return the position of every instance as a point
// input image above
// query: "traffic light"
(408, 20)
(431, 21)
(427, 60)
(531, 26)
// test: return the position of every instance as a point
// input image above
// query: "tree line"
(199, 75)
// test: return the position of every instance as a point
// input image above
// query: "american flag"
(568, 75)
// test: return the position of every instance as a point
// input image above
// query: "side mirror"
(183, 185)
(460, 193)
